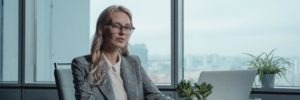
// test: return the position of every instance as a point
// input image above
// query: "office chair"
(64, 81)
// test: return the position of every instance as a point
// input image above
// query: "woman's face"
(118, 30)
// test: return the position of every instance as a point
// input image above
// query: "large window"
(9, 30)
(217, 32)
(56, 31)
(151, 40)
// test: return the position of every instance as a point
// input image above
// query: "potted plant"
(185, 90)
(267, 65)
(201, 91)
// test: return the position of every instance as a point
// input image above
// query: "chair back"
(64, 81)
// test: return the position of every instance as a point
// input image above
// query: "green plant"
(185, 89)
(201, 91)
(268, 63)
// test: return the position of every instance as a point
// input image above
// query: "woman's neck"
(112, 56)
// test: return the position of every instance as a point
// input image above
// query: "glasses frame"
(121, 27)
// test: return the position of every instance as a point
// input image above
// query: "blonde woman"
(109, 72)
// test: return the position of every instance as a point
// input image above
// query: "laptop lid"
(229, 85)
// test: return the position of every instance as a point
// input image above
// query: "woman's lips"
(121, 39)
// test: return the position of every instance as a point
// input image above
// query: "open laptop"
(229, 85)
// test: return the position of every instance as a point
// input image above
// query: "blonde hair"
(97, 44)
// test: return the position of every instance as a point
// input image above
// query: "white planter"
(268, 81)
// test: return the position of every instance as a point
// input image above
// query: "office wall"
(39, 94)
(10, 94)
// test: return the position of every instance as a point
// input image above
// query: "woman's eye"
(117, 26)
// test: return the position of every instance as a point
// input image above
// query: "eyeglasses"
(117, 27)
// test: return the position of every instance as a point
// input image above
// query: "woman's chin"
(120, 45)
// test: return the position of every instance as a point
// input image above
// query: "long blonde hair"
(97, 44)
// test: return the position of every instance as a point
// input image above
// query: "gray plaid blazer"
(137, 84)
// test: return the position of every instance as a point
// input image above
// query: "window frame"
(22, 27)
(177, 39)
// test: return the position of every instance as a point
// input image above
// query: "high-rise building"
(141, 51)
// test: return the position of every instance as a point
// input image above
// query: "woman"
(109, 72)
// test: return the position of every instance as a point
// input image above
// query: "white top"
(116, 79)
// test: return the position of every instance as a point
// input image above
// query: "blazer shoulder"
(132, 57)
(134, 61)
(85, 59)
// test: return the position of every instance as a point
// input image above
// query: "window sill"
(277, 90)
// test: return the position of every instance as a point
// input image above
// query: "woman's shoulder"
(85, 59)
(132, 57)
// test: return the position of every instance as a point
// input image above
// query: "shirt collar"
(117, 65)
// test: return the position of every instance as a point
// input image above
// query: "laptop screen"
(229, 85)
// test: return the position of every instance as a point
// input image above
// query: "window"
(218, 32)
(151, 40)
(56, 31)
(9, 43)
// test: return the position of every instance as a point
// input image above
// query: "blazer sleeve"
(151, 92)
(83, 90)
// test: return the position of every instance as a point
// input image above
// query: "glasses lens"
(118, 27)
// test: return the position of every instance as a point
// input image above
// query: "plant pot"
(268, 81)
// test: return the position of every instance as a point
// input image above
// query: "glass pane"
(55, 32)
(151, 40)
(9, 43)
(218, 32)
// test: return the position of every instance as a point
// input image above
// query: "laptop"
(229, 85)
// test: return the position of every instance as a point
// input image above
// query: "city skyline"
(158, 67)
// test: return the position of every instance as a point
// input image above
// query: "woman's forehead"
(120, 17)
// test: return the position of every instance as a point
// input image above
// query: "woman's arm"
(82, 87)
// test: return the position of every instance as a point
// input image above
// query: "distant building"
(192, 61)
(141, 51)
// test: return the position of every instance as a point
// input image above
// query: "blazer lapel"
(128, 79)
(106, 86)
